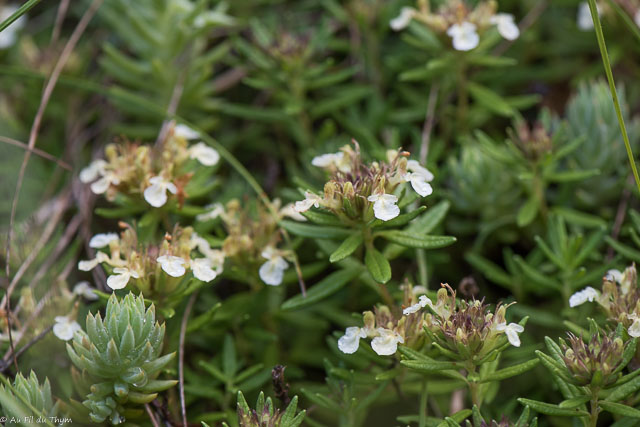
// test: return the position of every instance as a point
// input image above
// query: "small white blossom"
(156, 193)
(634, 329)
(121, 277)
(584, 19)
(88, 265)
(206, 155)
(350, 341)
(403, 20)
(65, 328)
(614, 276)
(99, 176)
(332, 160)
(184, 131)
(289, 210)
(101, 240)
(506, 25)
(215, 211)
(512, 330)
(93, 171)
(9, 35)
(384, 206)
(310, 199)
(84, 290)
(580, 297)
(202, 269)
(102, 185)
(272, 271)
(415, 167)
(386, 343)
(172, 265)
(464, 36)
(419, 183)
(423, 301)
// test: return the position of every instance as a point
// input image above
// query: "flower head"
(206, 155)
(384, 206)
(65, 327)
(203, 269)
(403, 20)
(156, 193)
(272, 271)
(580, 297)
(506, 25)
(184, 131)
(310, 199)
(511, 330)
(101, 240)
(350, 341)
(386, 342)
(172, 265)
(464, 36)
(121, 277)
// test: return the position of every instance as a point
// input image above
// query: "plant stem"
(474, 387)
(593, 417)
(422, 421)
(612, 87)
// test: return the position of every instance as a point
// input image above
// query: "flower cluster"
(154, 268)
(252, 238)
(534, 142)
(620, 298)
(594, 362)
(468, 330)
(387, 327)
(357, 191)
(156, 172)
(458, 20)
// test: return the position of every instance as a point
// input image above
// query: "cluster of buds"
(597, 362)
(620, 298)
(252, 237)
(468, 331)
(387, 327)
(154, 269)
(153, 172)
(461, 22)
(357, 192)
(266, 414)
(534, 142)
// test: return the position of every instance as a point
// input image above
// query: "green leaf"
(624, 390)
(574, 402)
(413, 241)
(570, 176)
(400, 220)
(624, 250)
(430, 366)
(490, 100)
(322, 218)
(527, 212)
(549, 409)
(347, 247)
(490, 270)
(315, 231)
(323, 289)
(619, 409)
(377, 265)
(511, 371)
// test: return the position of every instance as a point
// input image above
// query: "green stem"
(612, 87)
(463, 96)
(422, 421)
(593, 416)
(474, 387)
(18, 13)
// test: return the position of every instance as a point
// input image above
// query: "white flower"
(580, 297)
(83, 289)
(65, 327)
(272, 271)
(384, 206)
(403, 20)
(102, 240)
(290, 211)
(184, 131)
(512, 330)
(206, 155)
(90, 264)
(634, 329)
(10, 34)
(464, 36)
(350, 341)
(613, 276)
(216, 210)
(216, 256)
(584, 20)
(422, 303)
(386, 343)
(103, 184)
(310, 199)
(202, 269)
(419, 183)
(93, 171)
(332, 160)
(121, 277)
(416, 167)
(172, 265)
(156, 193)
(506, 25)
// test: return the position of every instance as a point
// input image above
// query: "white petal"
(416, 167)
(614, 276)
(202, 270)
(513, 337)
(172, 265)
(464, 36)
(88, 265)
(120, 279)
(419, 184)
(65, 328)
(101, 185)
(412, 309)
(92, 172)
(402, 21)
(350, 341)
(506, 25)
(386, 343)
(204, 154)
(634, 329)
(272, 271)
(184, 131)
(291, 212)
(384, 207)
(102, 240)
(580, 297)
(327, 160)
(83, 289)
(155, 195)
(214, 213)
